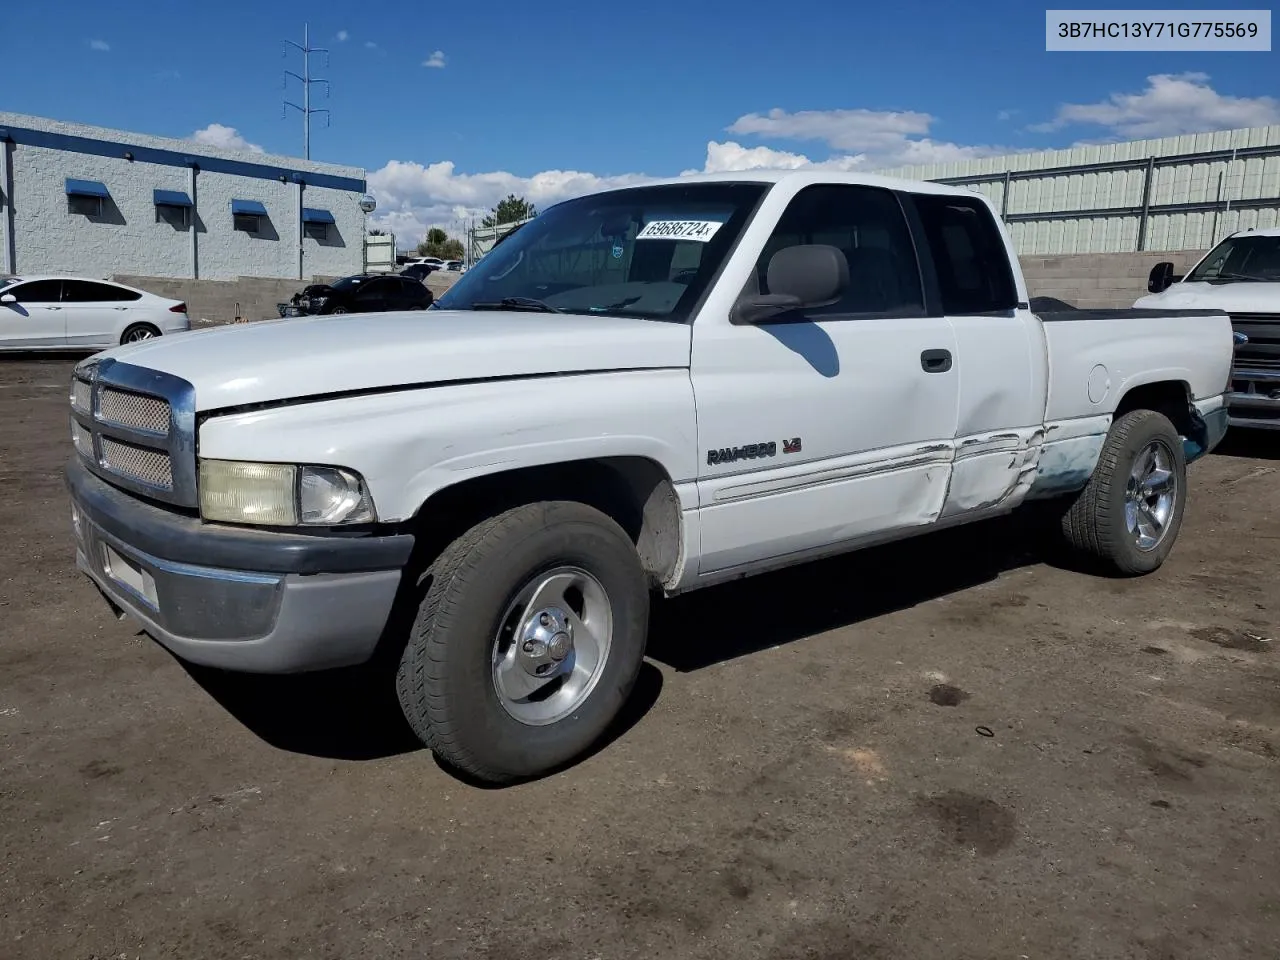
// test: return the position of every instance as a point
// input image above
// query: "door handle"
(935, 361)
(119, 308)
(53, 308)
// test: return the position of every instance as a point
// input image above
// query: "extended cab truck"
(650, 389)
(1241, 276)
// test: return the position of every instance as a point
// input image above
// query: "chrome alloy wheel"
(1150, 495)
(552, 645)
(139, 334)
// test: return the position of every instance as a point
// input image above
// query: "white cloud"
(861, 139)
(100, 45)
(343, 36)
(436, 60)
(370, 45)
(227, 138)
(1005, 115)
(412, 197)
(1171, 104)
(850, 130)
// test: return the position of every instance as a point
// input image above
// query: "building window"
(247, 216)
(316, 231)
(172, 207)
(86, 197)
(84, 206)
(177, 217)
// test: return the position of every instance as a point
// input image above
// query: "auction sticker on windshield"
(700, 230)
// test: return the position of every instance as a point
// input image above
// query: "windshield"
(1239, 259)
(645, 252)
(5, 281)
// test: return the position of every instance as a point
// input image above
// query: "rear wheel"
(527, 642)
(1127, 517)
(139, 332)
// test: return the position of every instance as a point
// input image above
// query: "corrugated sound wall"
(1175, 193)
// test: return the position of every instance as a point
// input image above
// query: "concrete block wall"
(214, 301)
(1099, 280)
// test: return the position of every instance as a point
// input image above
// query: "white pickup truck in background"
(1241, 276)
(652, 389)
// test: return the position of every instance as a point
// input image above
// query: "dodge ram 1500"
(642, 391)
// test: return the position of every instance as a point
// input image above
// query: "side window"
(868, 226)
(968, 255)
(40, 291)
(85, 291)
(372, 290)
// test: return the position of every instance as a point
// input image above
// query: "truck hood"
(298, 357)
(1238, 297)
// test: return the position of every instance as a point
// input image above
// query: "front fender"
(409, 444)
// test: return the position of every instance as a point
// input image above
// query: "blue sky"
(450, 111)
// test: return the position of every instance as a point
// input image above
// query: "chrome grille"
(134, 410)
(81, 395)
(150, 466)
(135, 427)
(82, 439)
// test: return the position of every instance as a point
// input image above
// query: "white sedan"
(72, 313)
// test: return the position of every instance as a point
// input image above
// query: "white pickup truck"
(1240, 275)
(647, 390)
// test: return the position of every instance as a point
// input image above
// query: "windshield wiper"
(516, 303)
(1239, 276)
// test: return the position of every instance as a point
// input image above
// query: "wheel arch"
(1174, 399)
(635, 491)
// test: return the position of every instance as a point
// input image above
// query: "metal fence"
(1136, 196)
(1175, 193)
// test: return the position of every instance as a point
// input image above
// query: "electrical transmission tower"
(307, 80)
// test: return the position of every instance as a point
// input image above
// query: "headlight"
(282, 495)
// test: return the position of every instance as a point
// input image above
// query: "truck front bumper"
(1254, 400)
(232, 598)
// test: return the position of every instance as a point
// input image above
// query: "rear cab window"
(969, 257)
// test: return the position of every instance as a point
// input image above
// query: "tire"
(1099, 524)
(462, 647)
(137, 332)
(338, 310)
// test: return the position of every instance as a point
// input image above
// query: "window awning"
(171, 198)
(314, 215)
(251, 207)
(87, 188)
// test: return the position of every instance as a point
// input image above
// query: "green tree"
(511, 210)
(437, 243)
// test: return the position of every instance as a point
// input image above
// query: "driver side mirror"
(1161, 277)
(801, 277)
(8, 298)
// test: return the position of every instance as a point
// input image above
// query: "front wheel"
(527, 643)
(1127, 517)
(139, 332)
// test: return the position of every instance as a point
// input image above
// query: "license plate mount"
(129, 575)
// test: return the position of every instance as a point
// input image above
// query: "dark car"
(418, 271)
(364, 294)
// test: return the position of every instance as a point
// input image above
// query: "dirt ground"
(947, 748)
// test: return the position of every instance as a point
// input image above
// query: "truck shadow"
(1250, 444)
(722, 623)
(353, 714)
